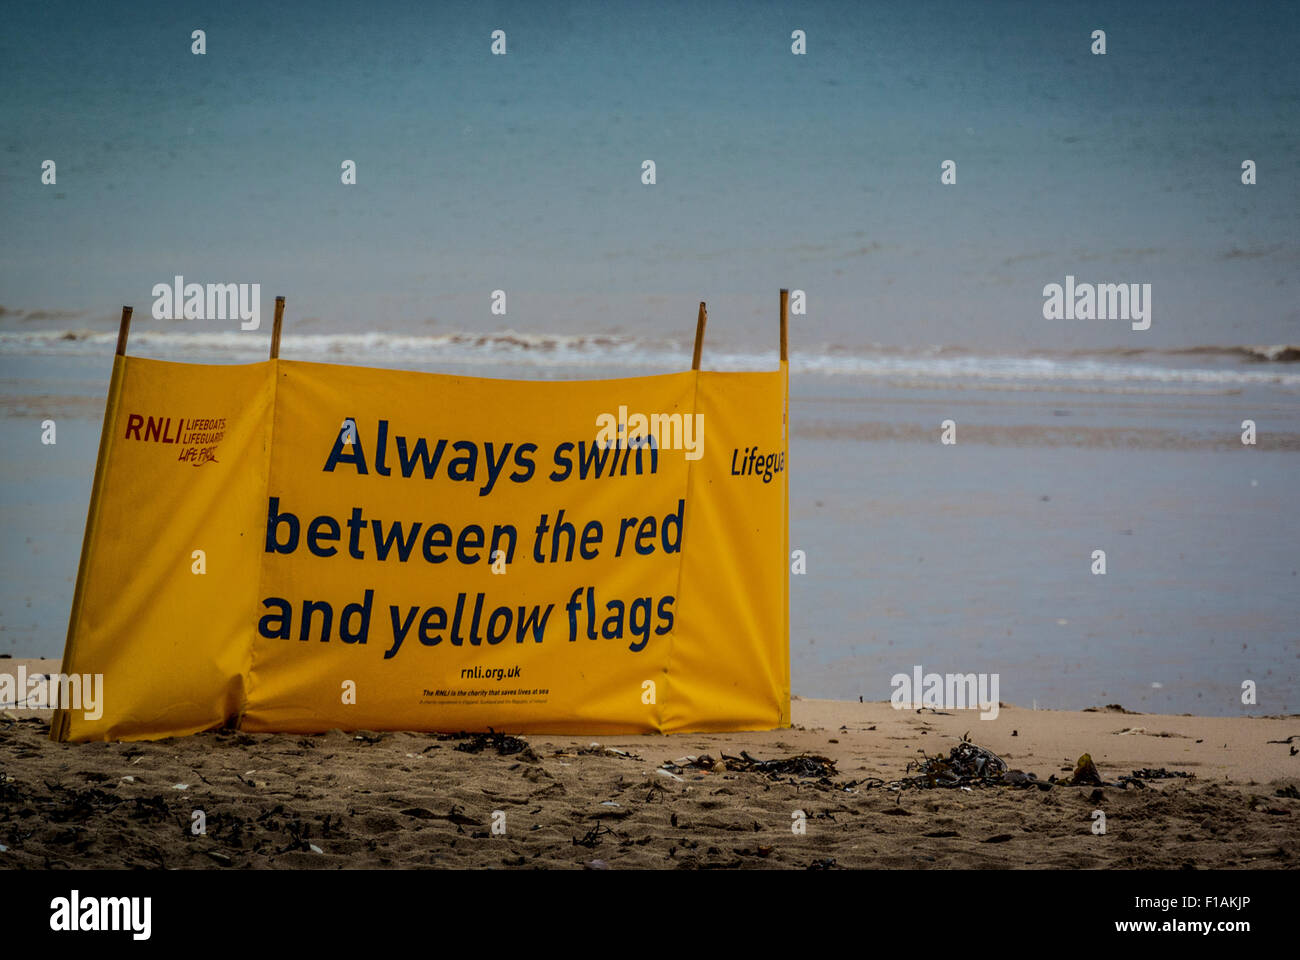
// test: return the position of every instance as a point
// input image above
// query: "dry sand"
(414, 800)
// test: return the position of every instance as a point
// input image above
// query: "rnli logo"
(197, 437)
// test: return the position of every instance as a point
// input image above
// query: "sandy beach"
(363, 799)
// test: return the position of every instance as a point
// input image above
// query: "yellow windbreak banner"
(396, 550)
(182, 469)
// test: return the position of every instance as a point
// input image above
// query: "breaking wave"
(1238, 366)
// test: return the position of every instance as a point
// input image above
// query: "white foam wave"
(581, 352)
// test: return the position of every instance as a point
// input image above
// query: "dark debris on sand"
(968, 765)
(504, 744)
(804, 766)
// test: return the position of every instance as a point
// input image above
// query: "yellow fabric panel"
(172, 645)
(297, 684)
(730, 661)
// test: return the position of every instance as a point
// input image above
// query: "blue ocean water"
(522, 172)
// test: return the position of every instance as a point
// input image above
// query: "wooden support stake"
(699, 335)
(785, 323)
(275, 329)
(123, 330)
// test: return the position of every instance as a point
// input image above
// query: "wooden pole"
(699, 335)
(785, 323)
(123, 330)
(275, 329)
